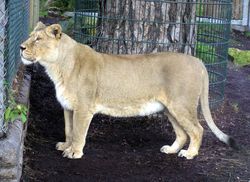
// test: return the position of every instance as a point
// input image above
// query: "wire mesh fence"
(197, 27)
(17, 31)
(14, 28)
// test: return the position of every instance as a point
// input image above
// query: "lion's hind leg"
(181, 137)
(188, 120)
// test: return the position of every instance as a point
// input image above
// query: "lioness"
(88, 82)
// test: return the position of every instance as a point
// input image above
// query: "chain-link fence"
(3, 21)
(14, 28)
(197, 27)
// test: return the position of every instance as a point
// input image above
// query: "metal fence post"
(3, 21)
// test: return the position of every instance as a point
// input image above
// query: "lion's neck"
(58, 72)
(71, 54)
(55, 73)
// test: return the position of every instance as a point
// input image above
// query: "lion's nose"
(22, 47)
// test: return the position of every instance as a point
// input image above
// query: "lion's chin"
(26, 62)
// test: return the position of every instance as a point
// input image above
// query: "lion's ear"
(39, 26)
(54, 31)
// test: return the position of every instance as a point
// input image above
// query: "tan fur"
(88, 82)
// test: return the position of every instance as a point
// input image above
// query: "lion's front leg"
(81, 122)
(68, 120)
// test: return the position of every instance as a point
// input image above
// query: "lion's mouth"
(25, 60)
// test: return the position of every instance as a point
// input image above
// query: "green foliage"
(43, 13)
(71, 5)
(42, 3)
(241, 57)
(86, 25)
(14, 110)
(64, 5)
(211, 33)
(60, 3)
(247, 34)
(43, 10)
(92, 5)
(89, 25)
(209, 37)
(205, 52)
(200, 9)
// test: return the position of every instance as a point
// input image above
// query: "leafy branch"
(19, 111)
(14, 110)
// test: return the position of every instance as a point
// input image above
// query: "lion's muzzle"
(24, 60)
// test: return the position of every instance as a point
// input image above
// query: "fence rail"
(14, 28)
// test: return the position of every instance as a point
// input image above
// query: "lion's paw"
(72, 153)
(187, 154)
(168, 149)
(62, 145)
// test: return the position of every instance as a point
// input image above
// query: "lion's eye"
(38, 38)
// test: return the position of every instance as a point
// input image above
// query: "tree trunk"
(140, 26)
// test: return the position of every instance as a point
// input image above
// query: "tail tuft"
(233, 144)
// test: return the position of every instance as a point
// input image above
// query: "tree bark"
(140, 26)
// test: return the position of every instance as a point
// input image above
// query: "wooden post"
(34, 13)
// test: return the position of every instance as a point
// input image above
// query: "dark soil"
(128, 149)
(240, 40)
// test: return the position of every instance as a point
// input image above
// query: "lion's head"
(42, 45)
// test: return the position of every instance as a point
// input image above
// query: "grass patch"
(241, 57)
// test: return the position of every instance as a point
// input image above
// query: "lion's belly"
(130, 110)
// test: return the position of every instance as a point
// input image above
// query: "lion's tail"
(207, 114)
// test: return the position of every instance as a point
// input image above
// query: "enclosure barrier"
(14, 28)
(200, 28)
(2, 74)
